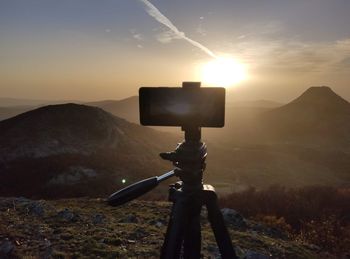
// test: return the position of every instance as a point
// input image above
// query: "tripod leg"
(174, 236)
(217, 223)
(192, 240)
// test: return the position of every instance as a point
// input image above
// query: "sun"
(223, 72)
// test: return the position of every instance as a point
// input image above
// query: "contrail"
(156, 14)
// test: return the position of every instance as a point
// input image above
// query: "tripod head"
(189, 162)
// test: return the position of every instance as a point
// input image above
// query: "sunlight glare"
(223, 72)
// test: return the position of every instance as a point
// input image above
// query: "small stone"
(36, 208)
(159, 224)
(66, 214)
(130, 219)
(98, 219)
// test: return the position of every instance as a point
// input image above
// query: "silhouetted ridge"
(67, 115)
(315, 102)
(61, 128)
(318, 115)
(69, 128)
(320, 95)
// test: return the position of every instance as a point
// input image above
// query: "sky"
(106, 49)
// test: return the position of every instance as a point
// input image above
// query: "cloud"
(175, 32)
(200, 29)
(137, 36)
(167, 37)
(293, 55)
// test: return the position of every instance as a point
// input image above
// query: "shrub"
(316, 214)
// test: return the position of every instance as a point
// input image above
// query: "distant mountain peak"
(320, 95)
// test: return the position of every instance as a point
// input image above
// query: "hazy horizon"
(88, 50)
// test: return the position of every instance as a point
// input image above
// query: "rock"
(98, 219)
(138, 234)
(68, 215)
(6, 248)
(158, 223)
(232, 217)
(130, 219)
(36, 208)
(255, 255)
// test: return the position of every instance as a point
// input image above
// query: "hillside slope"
(76, 150)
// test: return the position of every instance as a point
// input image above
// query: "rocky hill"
(318, 116)
(86, 228)
(76, 150)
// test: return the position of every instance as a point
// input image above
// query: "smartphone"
(179, 106)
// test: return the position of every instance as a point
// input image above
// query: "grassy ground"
(88, 228)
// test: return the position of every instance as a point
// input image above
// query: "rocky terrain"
(88, 228)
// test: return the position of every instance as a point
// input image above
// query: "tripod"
(183, 235)
(184, 231)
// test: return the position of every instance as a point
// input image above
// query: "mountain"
(71, 149)
(74, 150)
(304, 142)
(10, 107)
(318, 116)
(251, 150)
